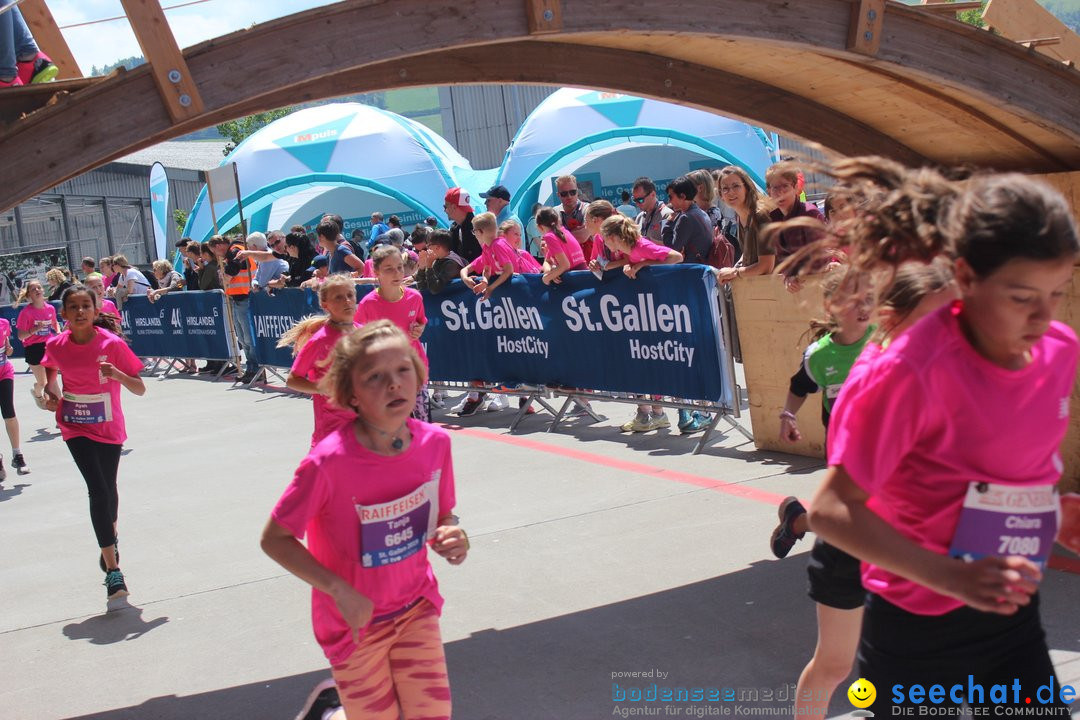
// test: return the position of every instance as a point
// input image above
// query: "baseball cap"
(319, 261)
(497, 191)
(458, 196)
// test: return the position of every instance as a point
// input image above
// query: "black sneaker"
(101, 558)
(114, 585)
(324, 697)
(784, 537)
(19, 463)
(471, 406)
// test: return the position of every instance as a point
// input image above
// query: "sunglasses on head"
(567, 193)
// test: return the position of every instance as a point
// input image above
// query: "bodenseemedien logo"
(862, 694)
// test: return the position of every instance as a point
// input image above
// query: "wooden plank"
(945, 8)
(171, 75)
(545, 16)
(1024, 19)
(49, 38)
(25, 99)
(867, 23)
(1040, 42)
(772, 327)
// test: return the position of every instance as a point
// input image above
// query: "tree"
(235, 131)
(180, 218)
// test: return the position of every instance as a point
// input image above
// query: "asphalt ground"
(594, 554)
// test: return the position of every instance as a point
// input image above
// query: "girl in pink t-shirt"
(312, 340)
(399, 304)
(944, 454)
(36, 323)
(497, 259)
(370, 498)
(562, 251)
(601, 257)
(95, 363)
(526, 263)
(96, 283)
(7, 402)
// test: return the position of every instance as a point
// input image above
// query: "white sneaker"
(497, 402)
(460, 406)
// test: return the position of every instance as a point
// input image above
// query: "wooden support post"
(174, 82)
(867, 24)
(49, 38)
(545, 16)
(1040, 42)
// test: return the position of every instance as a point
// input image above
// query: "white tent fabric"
(335, 146)
(573, 126)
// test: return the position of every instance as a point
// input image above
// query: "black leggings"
(900, 648)
(7, 400)
(98, 462)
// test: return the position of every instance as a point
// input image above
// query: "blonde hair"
(563, 179)
(55, 276)
(351, 352)
(703, 179)
(162, 266)
(25, 290)
(121, 261)
(600, 209)
(485, 221)
(506, 225)
(298, 335)
(622, 229)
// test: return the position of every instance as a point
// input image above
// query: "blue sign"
(180, 324)
(272, 315)
(11, 314)
(657, 334)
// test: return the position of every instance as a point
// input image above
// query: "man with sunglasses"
(572, 211)
(654, 213)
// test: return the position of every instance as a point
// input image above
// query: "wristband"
(787, 414)
(466, 535)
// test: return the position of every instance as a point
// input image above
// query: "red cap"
(458, 196)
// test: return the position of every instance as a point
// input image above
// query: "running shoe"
(784, 536)
(3, 472)
(685, 418)
(19, 463)
(324, 697)
(497, 402)
(39, 70)
(698, 422)
(115, 587)
(640, 423)
(470, 407)
(13, 82)
(659, 422)
(521, 403)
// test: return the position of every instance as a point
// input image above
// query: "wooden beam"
(49, 38)
(171, 75)
(950, 7)
(865, 28)
(1025, 19)
(545, 16)
(1040, 42)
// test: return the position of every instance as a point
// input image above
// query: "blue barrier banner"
(657, 334)
(11, 314)
(180, 324)
(272, 315)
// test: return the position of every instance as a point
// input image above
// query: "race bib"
(3, 360)
(393, 531)
(999, 520)
(833, 391)
(44, 331)
(86, 409)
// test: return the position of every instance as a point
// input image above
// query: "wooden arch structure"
(856, 76)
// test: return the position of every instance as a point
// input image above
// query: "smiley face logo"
(862, 693)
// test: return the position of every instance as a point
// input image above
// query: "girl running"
(952, 512)
(404, 306)
(95, 363)
(834, 583)
(370, 498)
(7, 402)
(312, 340)
(36, 323)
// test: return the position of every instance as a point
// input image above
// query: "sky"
(105, 43)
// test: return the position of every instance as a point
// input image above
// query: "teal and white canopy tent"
(344, 158)
(609, 139)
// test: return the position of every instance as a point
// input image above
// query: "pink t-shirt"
(7, 372)
(29, 315)
(321, 501)
(567, 244)
(646, 249)
(494, 257)
(369, 269)
(403, 313)
(528, 263)
(91, 404)
(109, 308)
(312, 364)
(925, 420)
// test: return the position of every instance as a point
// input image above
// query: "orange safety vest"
(240, 284)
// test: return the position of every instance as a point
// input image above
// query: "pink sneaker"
(39, 70)
(13, 82)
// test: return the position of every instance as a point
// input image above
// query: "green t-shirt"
(828, 364)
